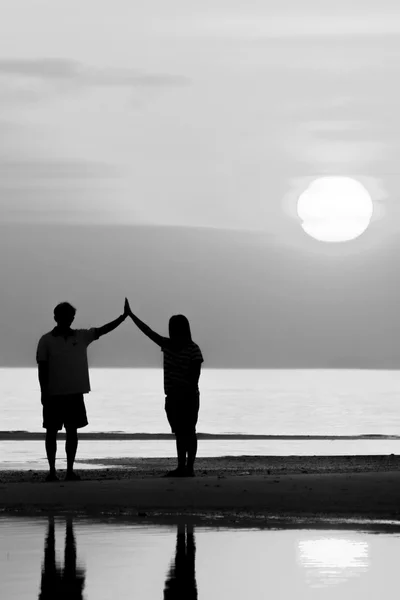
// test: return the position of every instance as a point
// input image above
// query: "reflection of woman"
(181, 579)
(182, 366)
(58, 583)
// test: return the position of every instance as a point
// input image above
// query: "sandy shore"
(259, 487)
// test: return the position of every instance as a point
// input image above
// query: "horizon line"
(227, 368)
(20, 435)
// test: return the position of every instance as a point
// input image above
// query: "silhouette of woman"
(181, 579)
(182, 366)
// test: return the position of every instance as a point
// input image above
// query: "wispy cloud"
(30, 171)
(58, 69)
(295, 24)
(45, 190)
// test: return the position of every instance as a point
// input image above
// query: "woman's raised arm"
(155, 337)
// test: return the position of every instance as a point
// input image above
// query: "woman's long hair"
(179, 331)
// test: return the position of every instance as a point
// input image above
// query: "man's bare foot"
(72, 476)
(52, 476)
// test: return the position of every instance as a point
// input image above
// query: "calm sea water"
(272, 402)
(81, 559)
(268, 402)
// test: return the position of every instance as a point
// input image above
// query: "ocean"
(292, 403)
(270, 402)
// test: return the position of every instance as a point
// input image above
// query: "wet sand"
(260, 487)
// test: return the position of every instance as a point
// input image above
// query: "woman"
(182, 366)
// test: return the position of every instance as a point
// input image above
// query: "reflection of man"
(58, 583)
(64, 379)
(181, 579)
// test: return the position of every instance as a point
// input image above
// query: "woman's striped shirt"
(177, 367)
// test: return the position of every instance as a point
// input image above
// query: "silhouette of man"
(64, 378)
(181, 579)
(57, 582)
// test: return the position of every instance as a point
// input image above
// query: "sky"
(184, 132)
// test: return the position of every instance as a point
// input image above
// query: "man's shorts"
(182, 412)
(64, 411)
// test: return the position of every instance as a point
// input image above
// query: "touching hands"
(158, 339)
(127, 309)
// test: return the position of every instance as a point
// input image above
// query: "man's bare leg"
(71, 445)
(51, 451)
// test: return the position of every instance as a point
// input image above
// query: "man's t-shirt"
(67, 360)
(177, 368)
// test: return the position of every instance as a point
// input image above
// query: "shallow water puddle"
(49, 558)
(32, 454)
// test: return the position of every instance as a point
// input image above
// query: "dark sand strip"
(366, 488)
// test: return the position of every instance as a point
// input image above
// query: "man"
(64, 378)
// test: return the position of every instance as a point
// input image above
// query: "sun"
(335, 209)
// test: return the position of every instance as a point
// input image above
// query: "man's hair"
(62, 309)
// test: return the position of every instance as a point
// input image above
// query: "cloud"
(43, 190)
(294, 25)
(63, 70)
(36, 170)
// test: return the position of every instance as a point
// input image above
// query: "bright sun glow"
(335, 209)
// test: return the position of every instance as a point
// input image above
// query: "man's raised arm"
(114, 324)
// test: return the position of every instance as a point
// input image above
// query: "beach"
(238, 488)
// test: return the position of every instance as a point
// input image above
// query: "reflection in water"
(333, 560)
(61, 582)
(181, 578)
(126, 560)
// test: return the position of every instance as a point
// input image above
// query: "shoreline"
(150, 467)
(245, 489)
